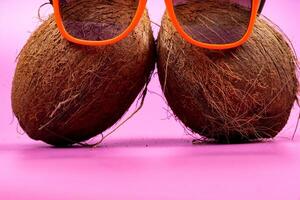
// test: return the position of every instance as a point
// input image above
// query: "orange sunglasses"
(81, 27)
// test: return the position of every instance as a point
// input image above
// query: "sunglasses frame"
(257, 6)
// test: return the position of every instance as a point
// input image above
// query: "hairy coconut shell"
(229, 96)
(65, 93)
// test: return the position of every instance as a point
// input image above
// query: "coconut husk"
(65, 93)
(230, 96)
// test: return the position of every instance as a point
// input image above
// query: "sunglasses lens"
(214, 21)
(97, 20)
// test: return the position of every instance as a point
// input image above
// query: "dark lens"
(97, 20)
(214, 21)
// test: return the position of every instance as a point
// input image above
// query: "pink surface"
(148, 157)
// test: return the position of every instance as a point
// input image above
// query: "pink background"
(148, 157)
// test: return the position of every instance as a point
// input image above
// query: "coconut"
(230, 96)
(65, 93)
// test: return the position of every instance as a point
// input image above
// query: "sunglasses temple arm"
(261, 6)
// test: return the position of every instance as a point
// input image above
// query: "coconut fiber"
(230, 96)
(65, 93)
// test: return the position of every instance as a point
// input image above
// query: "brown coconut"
(230, 96)
(65, 93)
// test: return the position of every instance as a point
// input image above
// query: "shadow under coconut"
(171, 148)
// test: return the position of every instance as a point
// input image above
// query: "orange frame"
(171, 12)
